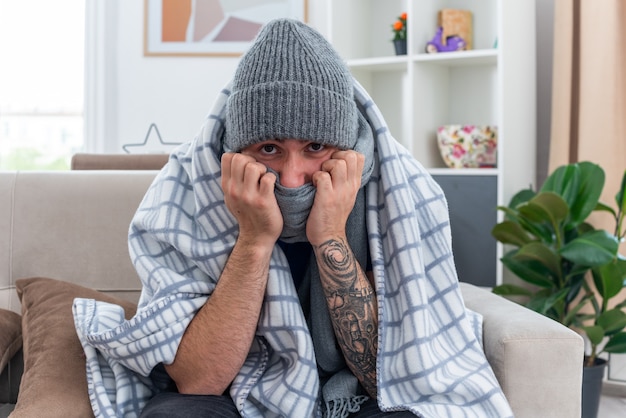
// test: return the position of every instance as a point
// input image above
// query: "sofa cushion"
(54, 382)
(10, 336)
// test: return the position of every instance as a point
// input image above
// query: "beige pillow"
(10, 336)
(54, 383)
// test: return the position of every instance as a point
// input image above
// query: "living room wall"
(175, 93)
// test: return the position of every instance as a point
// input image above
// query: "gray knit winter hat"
(291, 84)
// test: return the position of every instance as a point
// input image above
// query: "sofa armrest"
(537, 361)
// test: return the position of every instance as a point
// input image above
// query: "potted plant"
(399, 34)
(574, 269)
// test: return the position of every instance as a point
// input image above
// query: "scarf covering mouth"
(295, 205)
(296, 202)
(429, 361)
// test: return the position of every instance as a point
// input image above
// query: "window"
(41, 83)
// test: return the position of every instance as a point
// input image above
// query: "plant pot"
(400, 46)
(592, 388)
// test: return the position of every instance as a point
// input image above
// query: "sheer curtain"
(589, 90)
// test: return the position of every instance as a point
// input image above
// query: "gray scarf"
(296, 203)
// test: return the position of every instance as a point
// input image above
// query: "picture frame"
(210, 27)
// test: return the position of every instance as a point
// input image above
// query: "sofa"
(63, 235)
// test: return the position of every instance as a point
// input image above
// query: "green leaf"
(520, 197)
(612, 321)
(595, 334)
(509, 232)
(580, 185)
(541, 253)
(605, 208)
(543, 231)
(574, 317)
(591, 249)
(510, 214)
(590, 188)
(616, 344)
(574, 283)
(585, 317)
(563, 181)
(529, 270)
(620, 197)
(546, 302)
(511, 290)
(609, 278)
(583, 228)
(545, 207)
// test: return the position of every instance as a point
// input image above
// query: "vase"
(468, 146)
(592, 388)
(400, 46)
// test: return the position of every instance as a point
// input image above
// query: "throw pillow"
(54, 383)
(10, 336)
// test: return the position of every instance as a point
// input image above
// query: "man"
(296, 262)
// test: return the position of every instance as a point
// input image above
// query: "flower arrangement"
(399, 28)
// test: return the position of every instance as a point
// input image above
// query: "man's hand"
(249, 195)
(337, 185)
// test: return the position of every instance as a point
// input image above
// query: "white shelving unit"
(494, 84)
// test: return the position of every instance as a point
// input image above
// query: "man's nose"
(293, 173)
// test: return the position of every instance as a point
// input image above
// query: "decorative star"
(152, 144)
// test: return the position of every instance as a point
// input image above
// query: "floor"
(613, 402)
(612, 407)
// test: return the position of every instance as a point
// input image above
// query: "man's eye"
(316, 147)
(268, 149)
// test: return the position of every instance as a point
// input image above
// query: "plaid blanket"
(430, 359)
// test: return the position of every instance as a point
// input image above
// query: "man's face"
(294, 160)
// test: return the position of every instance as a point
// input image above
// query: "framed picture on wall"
(210, 27)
